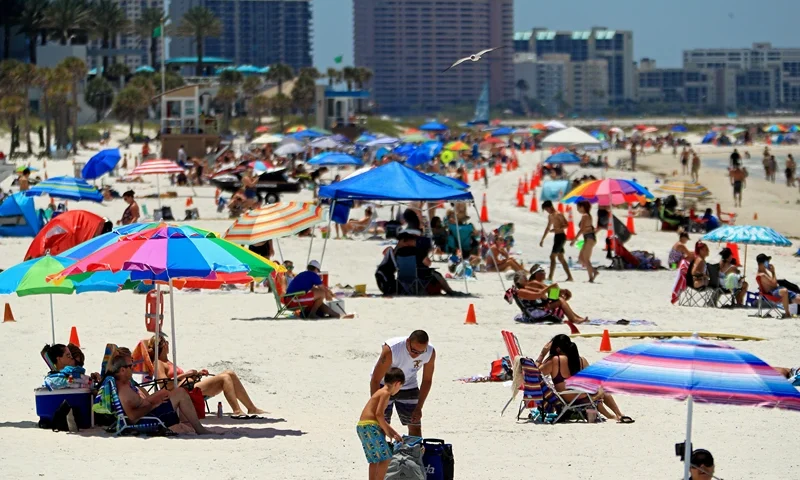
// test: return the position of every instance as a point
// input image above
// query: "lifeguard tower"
(185, 121)
(337, 110)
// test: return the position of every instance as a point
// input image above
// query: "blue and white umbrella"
(68, 188)
(334, 159)
(563, 157)
(381, 141)
(747, 235)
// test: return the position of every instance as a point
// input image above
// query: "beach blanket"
(596, 322)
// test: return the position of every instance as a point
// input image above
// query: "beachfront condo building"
(681, 88)
(254, 32)
(562, 85)
(127, 48)
(408, 43)
(599, 43)
(764, 77)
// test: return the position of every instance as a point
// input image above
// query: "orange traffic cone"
(629, 223)
(508, 165)
(560, 207)
(498, 168)
(520, 198)
(525, 186)
(484, 211)
(73, 337)
(533, 181)
(534, 203)
(471, 316)
(8, 316)
(476, 175)
(189, 202)
(570, 225)
(605, 343)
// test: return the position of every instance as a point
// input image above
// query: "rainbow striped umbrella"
(68, 188)
(693, 368)
(277, 220)
(615, 191)
(456, 146)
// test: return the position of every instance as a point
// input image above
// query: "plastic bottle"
(570, 262)
(219, 409)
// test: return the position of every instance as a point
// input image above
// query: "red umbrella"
(262, 129)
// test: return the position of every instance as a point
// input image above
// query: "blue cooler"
(80, 399)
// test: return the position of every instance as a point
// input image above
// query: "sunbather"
(310, 284)
(699, 269)
(498, 258)
(226, 382)
(730, 275)
(171, 406)
(355, 226)
(770, 284)
(564, 361)
(680, 251)
(535, 289)
(66, 373)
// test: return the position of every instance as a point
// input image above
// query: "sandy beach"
(313, 376)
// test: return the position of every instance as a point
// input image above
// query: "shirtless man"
(738, 180)
(684, 161)
(137, 403)
(24, 180)
(769, 284)
(557, 223)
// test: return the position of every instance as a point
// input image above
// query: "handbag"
(199, 402)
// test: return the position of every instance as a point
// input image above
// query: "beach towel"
(680, 281)
(623, 321)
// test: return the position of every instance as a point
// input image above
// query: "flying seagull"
(472, 58)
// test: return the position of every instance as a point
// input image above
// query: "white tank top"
(402, 360)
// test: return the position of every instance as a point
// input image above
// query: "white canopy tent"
(569, 137)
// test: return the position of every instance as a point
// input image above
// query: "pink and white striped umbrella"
(155, 167)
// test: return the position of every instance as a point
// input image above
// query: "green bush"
(89, 134)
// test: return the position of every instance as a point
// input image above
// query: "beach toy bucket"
(554, 293)
(324, 276)
(361, 289)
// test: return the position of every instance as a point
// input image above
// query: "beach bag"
(64, 419)
(501, 370)
(199, 402)
(438, 459)
(406, 463)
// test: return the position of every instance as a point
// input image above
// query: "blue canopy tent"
(391, 182)
(18, 217)
(434, 127)
(450, 181)
(563, 157)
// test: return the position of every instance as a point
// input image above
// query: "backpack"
(406, 463)
(438, 459)
(64, 419)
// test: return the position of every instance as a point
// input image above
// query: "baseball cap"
(315, 264)
(702, 457)
(761, 258)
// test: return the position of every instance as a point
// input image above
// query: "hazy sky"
(661, 30)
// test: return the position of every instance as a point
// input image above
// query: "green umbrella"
(415, 138)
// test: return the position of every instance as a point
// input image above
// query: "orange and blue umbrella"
(693, 369)
(609, 190)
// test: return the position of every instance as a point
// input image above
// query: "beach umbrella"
(306, 134)
(321, 131)
(274, 221)
(502, 131)
(450, 181)
(684, 189)
(693, 369)
(418, 157)
(22, 168)
(334, 159)
(144, 69)
(434, 127)
(262, 129)
(679, 129)
(563, 158)
(30, 278)
(747, 235)
(535, 131)
(325, 142)
(404, 149)
(614, 191)
(68, 188)
(415, 138)
(794, 128)
(365, 138)
(266, 139)
(101, 163)
(493, 141)
(289, 149)
(650, 130)
(381, 141)
(554, 125)
(598, 134)
(456, 146)
(159, 166)
(539, 126)
(774, 129)
(296, 128)
(615, 130)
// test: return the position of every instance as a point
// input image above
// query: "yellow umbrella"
(456, 146)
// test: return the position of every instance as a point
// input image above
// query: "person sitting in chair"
(66, 372)
(699, 268)
(409, 245)
(730, 275)
(498, 258)
(310, 284)
(770, 284)
(536, 290)
(357, 226)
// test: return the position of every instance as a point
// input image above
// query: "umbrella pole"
(458, 237)
(325, 243)
(311, 244)
(157, 318)
(483, 231)
(174, 342)
(744, 274)
(158, 191)
(52, 320)
(688, 445)
(280, 252)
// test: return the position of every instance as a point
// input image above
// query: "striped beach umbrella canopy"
(276, 220)
(296, 128)
(684, 189)
(159, 166)
(68, 188)
(693, 369)
(616, 191)
(456, 146)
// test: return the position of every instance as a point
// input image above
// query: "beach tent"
(709, 138)
(18, 217)
(434, 127)
(64, 232)
(569, 137)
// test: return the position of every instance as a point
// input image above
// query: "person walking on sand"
(791, 166)
(557, 223)
(373, 429)
(738, 180)
(586, 228)
(684, 161)
(695, 167)
(409, 354)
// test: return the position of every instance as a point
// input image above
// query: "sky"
(661, 30)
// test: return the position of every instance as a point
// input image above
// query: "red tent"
(64, 232)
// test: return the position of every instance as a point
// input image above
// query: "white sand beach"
(313, 376)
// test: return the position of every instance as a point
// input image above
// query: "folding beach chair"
(768, 303)
(726, 218)
(690, 296)
(535, 313)
(408, 282)
(288, 302)
(143, 366)
(107, 402)
(372, 226)
(720, 296)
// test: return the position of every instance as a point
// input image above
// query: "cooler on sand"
(80, 399)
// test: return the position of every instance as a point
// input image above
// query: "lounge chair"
(727, 218)
(288, 302)
(107, 402)
(768, 303)
(372, 226)
(408, 280)
(718, 292)
(143, 366)
(465, 233)
(690, 296)
(533, 312)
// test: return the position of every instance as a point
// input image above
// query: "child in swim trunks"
(372, 427)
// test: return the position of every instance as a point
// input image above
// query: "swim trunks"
(559, 240)
(406, 401)
(166, 413)
(373, 440)
(737, 187)
(777, 293)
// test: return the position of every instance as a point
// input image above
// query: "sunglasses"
(415, 351)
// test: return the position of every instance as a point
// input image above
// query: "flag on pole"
(157, 32)
(338, 59)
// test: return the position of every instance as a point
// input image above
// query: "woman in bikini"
(500, 260)
(538, 292)
(680, 251)
(227, 382)
(586, 228)
(699, 269)
(563, 362)
(131, 213)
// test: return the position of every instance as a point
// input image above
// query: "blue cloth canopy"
(418, 157)
(18, 217)
(563, 157)
(502, 131)
(679, 129)
(710, 136)
(334, 158)
(101, 163)
(434, 127)
(392, 181)
(450, 181)
(405, 149)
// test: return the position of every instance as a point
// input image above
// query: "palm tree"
(279, 73)
(522, 87)
(47, 82)
(362, 77)
(66, 18)
(280, 105)
(226, 95)
(11, 97)
(250, 88)
(128, 105)
(151, 19)
(25, 76)
(59, 105)
(304, 95)
(107, 19)
(199, 23)
(258, 107)
(147, 87)
(349, 76)
(231, 78)
(10, 107)
(32, 22)
(99, 95)
(118, 72)
(334, 76)
(76, 71)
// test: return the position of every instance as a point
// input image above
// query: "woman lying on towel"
(535, 289)
(226, 382)
(65, 372)
(563, 362)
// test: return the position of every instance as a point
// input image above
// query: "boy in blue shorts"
(372, 427)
